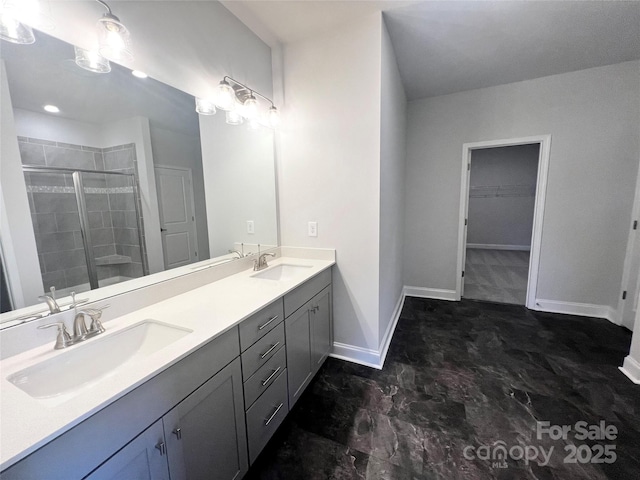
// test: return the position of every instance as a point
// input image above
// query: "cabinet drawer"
(264, 377)
(266, 415)
(259, 324)
(261, 351)
(301, 295)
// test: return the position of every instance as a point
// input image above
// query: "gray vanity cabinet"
(202, 438)
(309, 331)
(143, 458)
(321, 328)
(205, 433)
(298, 334)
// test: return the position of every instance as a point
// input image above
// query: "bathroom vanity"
(215, 373)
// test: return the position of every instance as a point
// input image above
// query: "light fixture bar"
(251, 90)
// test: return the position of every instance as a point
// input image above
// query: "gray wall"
(393, 123)
(502, 216)
(592, 116)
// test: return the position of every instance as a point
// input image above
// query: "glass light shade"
(251, 107)
(273, 116)
(253, 123)
(234, 118)
(205, 107)
(92, 61)
(225, 96)
(11, 29)
(35, 13)
(114, 39)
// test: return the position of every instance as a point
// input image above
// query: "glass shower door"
(113, 226)
(56, 224)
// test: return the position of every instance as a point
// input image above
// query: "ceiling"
(451, 46)
(45, 73)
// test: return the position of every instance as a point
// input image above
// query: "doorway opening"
(502, 207)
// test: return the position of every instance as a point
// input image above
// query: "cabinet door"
(321, 328)
(206, 434)
(298, 340)
(144, 458)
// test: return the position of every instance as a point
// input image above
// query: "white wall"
(393, 116)
(189, 45)
(592, 116)
(57, 129)
(329, 170)
(238, 169)
(502, 220)
(16, 230)
(176, 149)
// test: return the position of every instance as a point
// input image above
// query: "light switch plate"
(313, 229)
(250, 227)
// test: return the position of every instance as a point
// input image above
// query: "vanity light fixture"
(226, 95)
(205, 107)
(11, 28)
(139, 74)
(234, 117)
(91, 61)
(240, 101)
(51, 109)
(113, 37)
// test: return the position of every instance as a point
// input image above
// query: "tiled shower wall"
(111, 212)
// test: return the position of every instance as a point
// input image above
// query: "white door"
(630, 305)
(177, 216)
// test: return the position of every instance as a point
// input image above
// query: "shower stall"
(88, 226)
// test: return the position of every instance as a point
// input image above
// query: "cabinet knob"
(178, 433)
(162, 447)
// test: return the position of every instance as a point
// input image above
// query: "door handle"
(178, 433)
(163, 229)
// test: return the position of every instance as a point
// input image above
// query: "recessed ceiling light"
(51, 109)
(139, 74)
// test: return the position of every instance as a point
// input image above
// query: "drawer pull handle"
(178, 433)
(270, 350)
(273, 374)
(162, 447)
(264, 325)
(268, 421)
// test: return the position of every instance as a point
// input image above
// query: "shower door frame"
(76, 174)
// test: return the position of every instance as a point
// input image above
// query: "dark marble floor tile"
(457, 375)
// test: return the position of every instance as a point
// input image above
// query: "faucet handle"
(63, 339)
(95, 314)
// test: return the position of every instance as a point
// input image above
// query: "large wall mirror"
(122, 184)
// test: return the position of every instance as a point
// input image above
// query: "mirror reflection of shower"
(86, 213)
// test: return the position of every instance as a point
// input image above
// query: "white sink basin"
(283, 271)
(107, 354)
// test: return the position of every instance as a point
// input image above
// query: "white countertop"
(28, 423)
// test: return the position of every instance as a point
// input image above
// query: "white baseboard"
(363, 356)
(581, 309)
(388, 335)
(367, 356)
(492, 246)
(435, 293)
(631, 369)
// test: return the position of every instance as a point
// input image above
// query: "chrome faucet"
(51, 301)
(237, 253)
(80, 330)
(261, 262)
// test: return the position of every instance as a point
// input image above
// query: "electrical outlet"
(250, 227)
(313, 229)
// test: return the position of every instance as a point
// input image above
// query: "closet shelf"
(488, 191)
